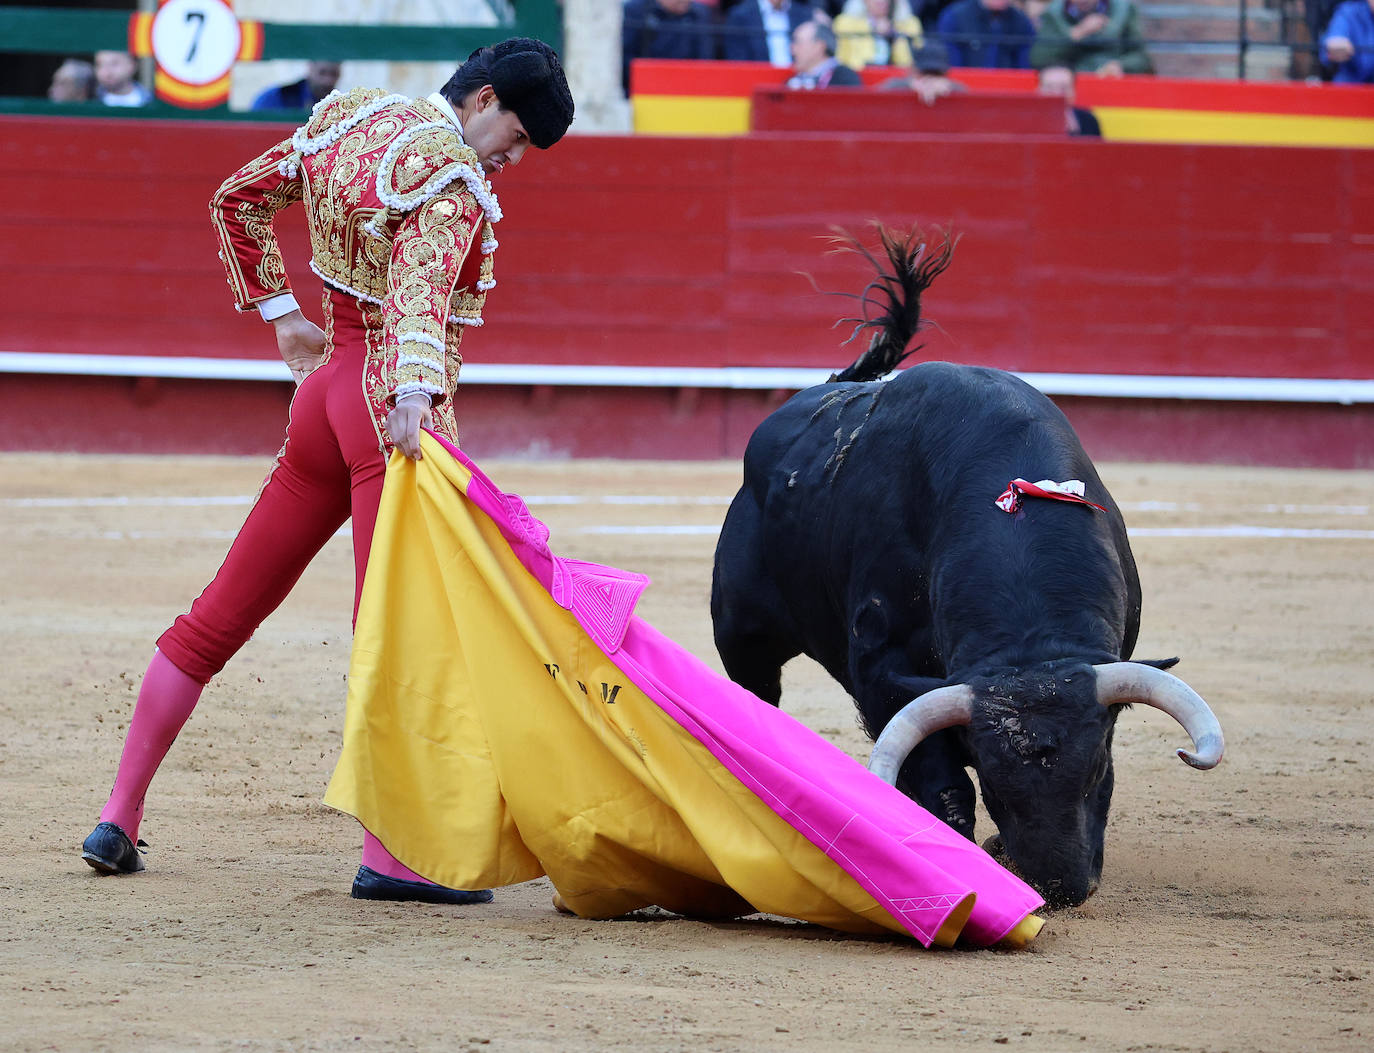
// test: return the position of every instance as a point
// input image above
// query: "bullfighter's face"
(495, 133)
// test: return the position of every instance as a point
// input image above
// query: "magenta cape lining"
(916, 867)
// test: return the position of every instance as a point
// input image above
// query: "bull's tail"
(895, 294)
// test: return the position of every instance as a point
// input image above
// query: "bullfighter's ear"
(1158, 663)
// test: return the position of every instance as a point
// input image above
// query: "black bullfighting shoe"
(371, 885)
(109, 851)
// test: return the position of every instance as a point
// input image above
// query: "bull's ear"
(1158, 663)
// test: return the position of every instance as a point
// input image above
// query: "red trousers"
(329, 469)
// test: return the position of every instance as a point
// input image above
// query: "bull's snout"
(1060, 893)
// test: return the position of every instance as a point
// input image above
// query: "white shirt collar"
(447, 107)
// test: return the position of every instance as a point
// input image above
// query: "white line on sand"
(1239, 530)
(1234, 531)
(192, 501)
(702, 500)
(1243, 530)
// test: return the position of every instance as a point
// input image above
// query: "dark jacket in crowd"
(293, 96)
(1121, 40)
(743, 39)
(651, 32)
(976, 36)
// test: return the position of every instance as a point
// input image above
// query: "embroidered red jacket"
(394, 202)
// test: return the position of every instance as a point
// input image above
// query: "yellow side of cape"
(488, 741)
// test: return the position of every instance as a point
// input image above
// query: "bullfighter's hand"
(404, 422)
(301, 343)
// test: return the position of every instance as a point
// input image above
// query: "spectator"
(928, 77)
(1059, 80)
(1349, 42)
(1317, 16)
(761, 30)
(987, 33)
(813, 59)
(929, 11)
(114, 79)
(319, 80)
(665, 29)
(74, 81)
(876, 33)
(1092, 36)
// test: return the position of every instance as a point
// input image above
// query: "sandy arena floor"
(1235, 911)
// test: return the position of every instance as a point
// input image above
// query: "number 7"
(198, 17)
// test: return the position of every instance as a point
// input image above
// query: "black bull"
(866, 535)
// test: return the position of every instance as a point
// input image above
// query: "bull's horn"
(942, 708)
(1130, 682)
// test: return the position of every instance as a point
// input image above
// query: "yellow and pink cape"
(510, 717)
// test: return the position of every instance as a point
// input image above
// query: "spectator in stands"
(319, 80)
(824, 11)
(1059, 80)
(929, 75)
(813, 59)
(929, 11)
(1034, 9)
(114, 78)
(876, 33)
(761, 30)
(1316, 14)
(1092, 36)
(988, 33)
(665, 29)
(74, 81)
(1349, 42)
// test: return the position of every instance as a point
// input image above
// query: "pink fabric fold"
(915, 866)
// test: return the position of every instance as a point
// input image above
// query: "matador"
(402, 217)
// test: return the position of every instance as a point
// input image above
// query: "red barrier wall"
(1075, 257)
(834, 111)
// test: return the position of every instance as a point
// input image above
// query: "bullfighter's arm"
(242, 211)
(426, 258)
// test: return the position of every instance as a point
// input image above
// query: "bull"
(867, 535)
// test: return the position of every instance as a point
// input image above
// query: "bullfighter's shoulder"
(341, 108)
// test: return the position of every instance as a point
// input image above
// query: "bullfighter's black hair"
(910, 268)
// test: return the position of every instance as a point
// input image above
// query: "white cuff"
(273, 308)
(417, 387)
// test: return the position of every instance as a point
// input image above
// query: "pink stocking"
(165, 700)
(376, 857)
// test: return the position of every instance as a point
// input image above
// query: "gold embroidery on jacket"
(253, 214)
(408, 256)
(257, 224)
(374, 386)
(426, 260)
